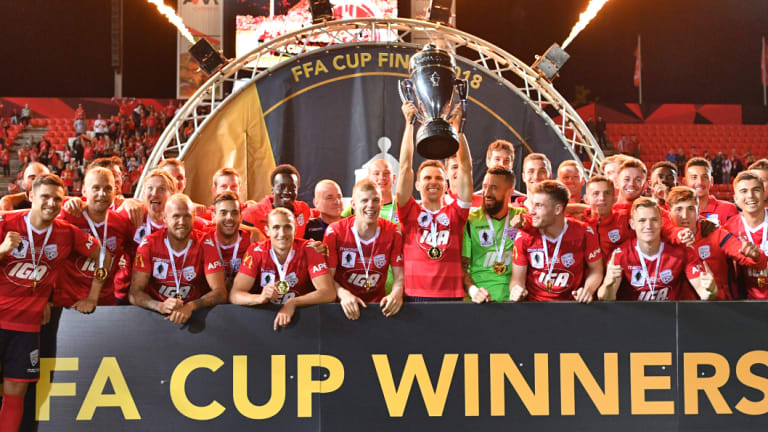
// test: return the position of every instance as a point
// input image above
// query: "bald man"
(21, 200)
(328, 206)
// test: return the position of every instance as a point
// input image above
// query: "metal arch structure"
(234, 77)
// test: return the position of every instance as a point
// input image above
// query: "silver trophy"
(431, 88)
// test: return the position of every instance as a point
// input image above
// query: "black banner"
(434, 367)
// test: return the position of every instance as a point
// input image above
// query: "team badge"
(189, 273)
(34, 357)
(537, 260)
(510, 233)
(348, 259)
(637, 278)
(267, 278)
(666, 276)
(235, 264)
(486, 237)
(159, 269)
(380, 260)
(424, 219)
(567, 259)
(704, 252)
(300, 219)
(51, 251)
(395, 219)
(20, 251)
(442, 219)
(292, 279)
(614, 235)
(111, 243)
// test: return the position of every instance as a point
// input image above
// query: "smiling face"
(178, 219)
(227, 217)
(544, 210)
(328, 199)
(46, 201)
(646, 222)
(227, 183)
(281, 230)
(367, 204)
(284, 190)
(155, 195)
(431, 183)
(535, 171)
(380, 173)
(496, 193)
(179, 174)
(99, 190)
(699, 179)
(631, 181)
(749, 196)
(600, 196)
(499, 158)
(569, 176)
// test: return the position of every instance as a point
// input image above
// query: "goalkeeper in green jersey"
(488, 238)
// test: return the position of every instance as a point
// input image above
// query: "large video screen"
(269, 19)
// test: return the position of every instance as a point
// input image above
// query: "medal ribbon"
(556, 252)
(495, 239)
(234, 253)
(281, 269)
(35, 257)
(102, 241)
(749, 231)
(643, 257)
(172, 256)
(360, 249)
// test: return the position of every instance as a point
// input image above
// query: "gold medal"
(34, 285)
(282, 287)
(100, 274)
(368, 284)
(435, 252)
(178, 295)
(499, 268)
(761, 282)
(549, 285)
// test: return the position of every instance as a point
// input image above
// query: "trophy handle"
(405, 88)
(463, 90)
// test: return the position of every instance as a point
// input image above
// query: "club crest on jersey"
(704, 252)
(159, 269)
(638, 279)
(666, 276)
(379, 260)
(442, 219)
(20, 251)
(292, 279)
(189, 273)
(486, 237)
(614, 235)
(235, 263)
(34, 357)
(537, 260)
(267, 277)
(567, 259)
(300, 219)
(510, 233)
(51, 251)
(424, 219)
(348, 259)
(111, 243)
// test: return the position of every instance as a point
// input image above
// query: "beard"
(492, 208)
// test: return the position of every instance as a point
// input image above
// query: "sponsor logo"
(442, 219)
(52, 251)
(26, 272)
(20, 251)
(300, 219)
(424, 219)
(159, 269)
(267, 277)
(593, 254)
(319, 267)
(190, 274)
(638, 279)
(559, 280)
(138, 262)
(208, 242)
(666, 276)
(214, 265)
(348, 259)
(140, 233)
(380, 260)
(399, 258)
(537, 260)
(248, 260)
(567, 259)
(486, 237)
(704, 252)
(614, 235)
(440, 238)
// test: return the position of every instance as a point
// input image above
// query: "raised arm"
(405, 176)
(464, 181)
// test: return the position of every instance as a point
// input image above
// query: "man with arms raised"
(751, 226)
(648, 269)
(361, 248)
(328, 206)
(34, 245)
(432, 233)
(285, 185)
(283, 270)
(230, 241)
(486, 252)
(172, 266)
(716, 248)
(22, 200)
(561, 259)
(698, 176)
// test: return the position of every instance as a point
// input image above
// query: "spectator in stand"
(634, 146)
(87, 152)
(81, 125)
(5, 161)
(53, 158)
(736, 163)
(694, 152)
(100, 126)
(671, 156)
(26, 114)
(600, 128)
(623, 145)
(59, 168)
(726, 168)
(717, 168)
(749, 158)
(68, 176)
(680, 160)
(152, 121)
(125, 106)
(138, 111)
(77, 150)
(80, 112)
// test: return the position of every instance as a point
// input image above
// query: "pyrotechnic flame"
(173, 18)
(592, 9)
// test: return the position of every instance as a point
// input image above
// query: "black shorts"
(20, 355)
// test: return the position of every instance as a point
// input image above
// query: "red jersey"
(231, 256)
(752, 281)
(256, 215)
(423, 231)
(578, 246)
(21, 300)
(611, 231)
(719, 212)
(74, 282)
(383, 250)
(669, 282)
(305, 264)
(152, 257)
(123, 276)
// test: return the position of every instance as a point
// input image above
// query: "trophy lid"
(432, 55)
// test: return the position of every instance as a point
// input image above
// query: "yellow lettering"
(384, 58)
(320, 67)
(337, 63)
(353, 64)
(397, 397)
(307, 67)
(307, 386)
(745, 375)
(572, 367)
(693, 383)
(471, 386)
(639, 383)
(240, 389)
(296, 71)
(109, 370)
(503, 368)
(46, 388)
(401, 61)
(364, 58)
(179, 392)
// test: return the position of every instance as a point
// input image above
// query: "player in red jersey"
(172, 266)
(663, 178)
(611, 226)
(698, 176)
(283, 270)
(536, 169)
(224, 180)
(231, 242)
(432, 233)
(361, 248)
(630, 182)
(760, 168)
(569, 174)
(648, 269)
(716, 248)
(34, 245)
(560, 275)
(110, 228)
(751, 226)
(285, 181)
(610, 167)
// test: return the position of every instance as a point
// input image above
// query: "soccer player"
(173, 265)
(630, 181)
(500, 153)
(111, 229)
(231, 242)
(760, 167)
(451, 165)
(22, 200)
(663, 178)
(698, 176)
(716, 248)
(611, 226)
(285, 185)
(34, 245)
(432, 233)
(380, 172)
(328, 205)
(361, 249)
(283, 270)
(536, 168)
(610, 166)
(751, 226)
(486, 252)
(224, 180)
(648, 269)
(569, 174)
(175, 168)
(561, 260)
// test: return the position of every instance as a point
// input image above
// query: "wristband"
(473, 289)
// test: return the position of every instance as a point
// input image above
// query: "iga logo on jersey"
(26, 272)
(704, 252)
(614, 235)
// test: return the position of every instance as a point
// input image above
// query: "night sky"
(694, 51)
